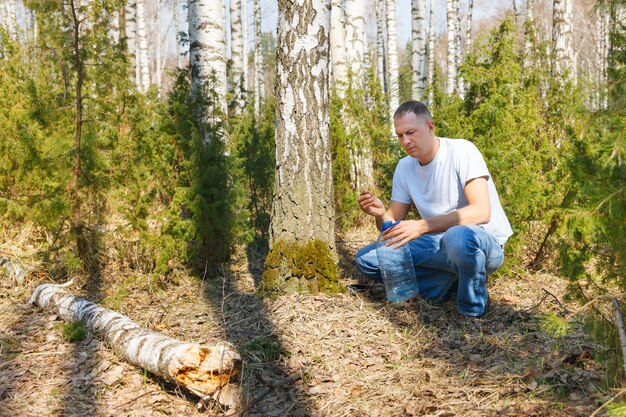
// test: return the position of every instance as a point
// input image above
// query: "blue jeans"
(462, 256)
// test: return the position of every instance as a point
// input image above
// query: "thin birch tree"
(431, 57)
(237, 55)
(338, 49)
(258, 59)
(131, 38)
(529, 33)
(603, 17)
(303, 208)
(392, 53)
(381, 56)
(563, 66)
(451, 71)
(356, 38)
(142, 43)
(177, 27)
(418, 50)
(468, 29)
(207, 52)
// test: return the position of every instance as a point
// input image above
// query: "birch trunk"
(431, 57)
(338, 49)
(356, 39)
(202, 369)
(11, 15)
(460, 83)
(468, 29)
(303, 207)
(158, 45)
(258, 59)
(563, 54)
(236, 54)
(207, 50)
(529, 33)
(131, 38)
(244, 42)
(451, 71)
(177, 25)
(142, 43)
(418, 54)
(381, 64)
(393, 58)
(602, 26)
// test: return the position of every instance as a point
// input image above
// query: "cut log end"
(207, 370)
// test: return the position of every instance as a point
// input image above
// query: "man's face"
(415, 135)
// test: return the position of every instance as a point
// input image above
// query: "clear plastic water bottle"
(396, 266)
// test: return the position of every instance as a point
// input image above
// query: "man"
(462, 231)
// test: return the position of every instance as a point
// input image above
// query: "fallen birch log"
(203, 370)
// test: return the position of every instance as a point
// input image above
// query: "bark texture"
(202, 369)
(142, 43)
(131, 38)
(393, 58)
(418, 53)
(237, 55)
(529, 33)
(356, 39)
(603, 18)
(563, 53)
(451, 71)
(303, 207)
(207, 48)
(381, 56)
(431, 56)
(258, 58)
(338, 49)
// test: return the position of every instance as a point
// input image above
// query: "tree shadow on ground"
(248, 327)
(507, 348)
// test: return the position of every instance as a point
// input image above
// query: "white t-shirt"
(437, 188)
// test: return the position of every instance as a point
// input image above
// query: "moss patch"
(309, 269)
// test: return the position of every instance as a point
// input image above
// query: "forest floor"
(358, 354)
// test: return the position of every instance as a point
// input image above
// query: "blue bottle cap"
(388, 225)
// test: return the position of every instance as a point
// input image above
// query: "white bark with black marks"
(237, 56)
(202, 369)
(303, 207)
(131, 39)
(451, 70)
(529, 33)
(356, 39)
(381, 56)
(207, 49)
(418, 52)
(142, 50)
(563, 66)
(338, 49)
(431, 57)
(259, 88)
(392, 53)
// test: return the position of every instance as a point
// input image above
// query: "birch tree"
(11, 17)
(207, 51)
(355, 12)
(381, 57)
(431, 57)
(602, 49)
(458, 50)
(392, 52)
(338, 49)
(237, 55)
(303, 207)
(142, 50)
(418, 50)
(562, 50)
(468, 29)
(177, 25)
(529, 33)
(451, 71)
(244, 50)
(131, 38)
(158, 45)
(258, 58)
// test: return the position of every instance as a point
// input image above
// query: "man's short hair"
(415, 107)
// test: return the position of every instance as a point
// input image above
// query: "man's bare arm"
(478, 211)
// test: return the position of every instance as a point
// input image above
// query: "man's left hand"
(404, 232)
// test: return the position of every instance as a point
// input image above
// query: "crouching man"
(460, 237)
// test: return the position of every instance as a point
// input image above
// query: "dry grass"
(359, 355)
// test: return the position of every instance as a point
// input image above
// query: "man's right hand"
(371, 205)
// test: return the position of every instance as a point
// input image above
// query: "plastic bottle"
(396, 266)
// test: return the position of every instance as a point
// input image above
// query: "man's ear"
(431, 126)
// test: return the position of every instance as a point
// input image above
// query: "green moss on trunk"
(309, 269)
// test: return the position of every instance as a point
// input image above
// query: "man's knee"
(459, 241)
(367, 261)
